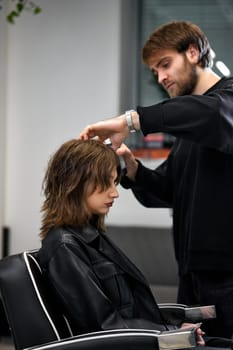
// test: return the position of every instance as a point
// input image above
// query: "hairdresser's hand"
(130, 161)
(115, 129)
(200, 333)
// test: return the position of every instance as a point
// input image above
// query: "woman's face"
(99, 202)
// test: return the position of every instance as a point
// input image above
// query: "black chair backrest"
(32, 317)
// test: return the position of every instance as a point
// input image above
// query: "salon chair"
(36, 323)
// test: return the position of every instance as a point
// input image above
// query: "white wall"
(3, 60)
(63, 73)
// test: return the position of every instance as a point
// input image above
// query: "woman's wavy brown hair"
(178, 35)
(75, 168)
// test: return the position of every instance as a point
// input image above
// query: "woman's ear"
(193, 54)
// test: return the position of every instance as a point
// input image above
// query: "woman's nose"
(114, 192)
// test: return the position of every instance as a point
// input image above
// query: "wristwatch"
(129, 120)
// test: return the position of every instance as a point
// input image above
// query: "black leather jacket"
(95, 284)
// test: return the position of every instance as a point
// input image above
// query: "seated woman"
(95, 284)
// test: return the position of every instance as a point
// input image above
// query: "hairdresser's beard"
(186, 80)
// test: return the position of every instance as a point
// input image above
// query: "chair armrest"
(177, 313)
(125, 339)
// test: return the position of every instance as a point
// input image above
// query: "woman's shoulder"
(57, 238)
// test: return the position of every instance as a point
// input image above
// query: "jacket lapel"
(115, 254)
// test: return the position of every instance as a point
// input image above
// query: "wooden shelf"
(151, 153)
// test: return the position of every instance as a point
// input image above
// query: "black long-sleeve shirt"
(197, 178)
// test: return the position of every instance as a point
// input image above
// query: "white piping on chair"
(39, 268)
(68, 326)
(77, 340)
(37, 291)
(188, 341)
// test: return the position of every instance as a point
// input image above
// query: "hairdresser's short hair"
(178, 35)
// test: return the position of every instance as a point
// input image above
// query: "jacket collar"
(87, 234)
